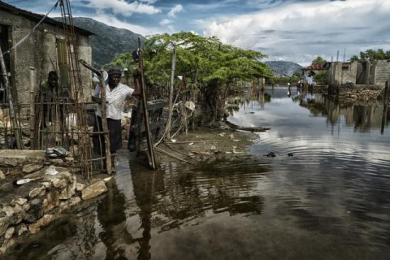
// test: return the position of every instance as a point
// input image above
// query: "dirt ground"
(205, 143)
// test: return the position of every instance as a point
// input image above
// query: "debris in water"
(270, 154)
(290, 154)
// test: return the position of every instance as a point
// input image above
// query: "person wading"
(116, 95)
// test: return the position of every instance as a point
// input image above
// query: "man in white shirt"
(116, 95)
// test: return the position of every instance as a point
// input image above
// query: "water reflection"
(361, 116)
(328, 201)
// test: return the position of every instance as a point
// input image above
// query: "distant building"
(41, 52)
(365, 73)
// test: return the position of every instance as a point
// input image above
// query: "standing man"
(116, 95)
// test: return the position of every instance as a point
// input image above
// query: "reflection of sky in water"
(330, 200)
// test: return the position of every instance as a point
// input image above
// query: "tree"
(371, 55)
(205, 63)
(319, 60)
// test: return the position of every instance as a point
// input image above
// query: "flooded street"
(325, 194)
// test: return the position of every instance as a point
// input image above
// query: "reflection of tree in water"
(208, 189)
(362, 117)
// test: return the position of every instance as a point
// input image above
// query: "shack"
(43, 51)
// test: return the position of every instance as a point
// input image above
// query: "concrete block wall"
(382, 72)
(39, 52)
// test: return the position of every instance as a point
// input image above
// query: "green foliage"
(321, 78)
(371, 55)
(318, 60)
(284, 80)
(199, 59)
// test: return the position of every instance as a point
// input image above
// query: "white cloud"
(299, 31)
(178, 8)
(121, 6)
(165, 22)
(112, 21)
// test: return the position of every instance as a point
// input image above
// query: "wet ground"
(322, 194)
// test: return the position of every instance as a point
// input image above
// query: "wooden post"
(171, 93)
(103, 115)
(32, 105)
(145, 109)
(11, 101)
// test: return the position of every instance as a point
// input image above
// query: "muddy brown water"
(325, 194)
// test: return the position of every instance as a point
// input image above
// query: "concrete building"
(343, 72)
(43, 51)
(363, 73)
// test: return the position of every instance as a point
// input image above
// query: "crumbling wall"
(27, 208)
(39, 53)
(344, 72)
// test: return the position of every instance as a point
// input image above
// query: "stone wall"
(39, 52)
(27, 208)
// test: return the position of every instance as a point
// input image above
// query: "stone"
(66, 193)
(36, 211)
(94, 190)
(44, 221)
(32, 167)
(79, 187)
(58, 183)
(2, 176)
(20, 201)
(46, 185)
(8, 210)
(9, 233)
(74, 201)
(40, 191)
(4, 224)
(22, 229)
(57, 161)
(16, 157)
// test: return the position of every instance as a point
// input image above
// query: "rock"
(79, 187)
(8, 210)
(2, 176)
(74, 201)
(22, 229)
(40, 191)
(44, 221)
(19, 201)
(51, 171)
(66, 193)
(59, 183)
(4, 224)
(9, 233)
(36, 211)
(93, 190)
(57, 161)
(29, 168)
(7, 244)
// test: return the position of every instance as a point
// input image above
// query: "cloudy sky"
(293, 30)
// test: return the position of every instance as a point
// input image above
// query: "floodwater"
(325, 195)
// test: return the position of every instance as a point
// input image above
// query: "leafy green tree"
(208, 65)
(318, 60)
(371, 55)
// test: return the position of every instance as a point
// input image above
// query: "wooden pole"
(145, 108)
(171, 93)
(103, 115)
(11, 101)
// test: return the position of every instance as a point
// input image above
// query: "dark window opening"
(4, 44)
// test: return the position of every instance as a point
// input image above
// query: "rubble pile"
(35, 195)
